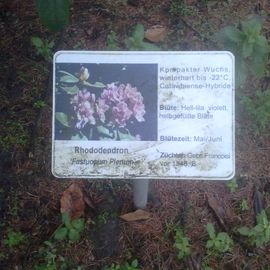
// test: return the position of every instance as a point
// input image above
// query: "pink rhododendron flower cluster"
(125, 101)
(116, 105)
(84, 106)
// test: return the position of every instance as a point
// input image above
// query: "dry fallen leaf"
(137, 215)
(72, 201)
(223, 211)
(156, 33)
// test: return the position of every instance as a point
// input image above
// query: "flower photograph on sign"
(106, 102)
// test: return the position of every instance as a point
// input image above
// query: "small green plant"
(218, 243)
(232, 185)
(244, 205)
(112, 42)
(136, 41)
(179, 8)
(70, 229)
(170, 227)
(14, 239)
(258, 108)
(249, 46)
(133, 266)
(43, 48)
(39, 104)
(259, 235)
(182, 244)
(50, 259)
(102, 218)
(54, 14)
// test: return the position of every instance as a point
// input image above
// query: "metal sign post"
(143, 115)
(140, 193)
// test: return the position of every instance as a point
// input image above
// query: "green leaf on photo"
(79, 137)
(72, 90)
(69, 79)
(105, 139)
(104, 132)
(67, 73)
(96, 84)
(62, 118)
(54, 14)
(125, 136)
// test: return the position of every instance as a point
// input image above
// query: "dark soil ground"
(30, 195)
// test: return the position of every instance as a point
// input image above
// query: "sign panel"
(157, 115)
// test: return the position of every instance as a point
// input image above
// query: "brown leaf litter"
(72, 201)
(136, 216)
(156, 33)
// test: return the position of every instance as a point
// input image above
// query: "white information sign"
(151, 115)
